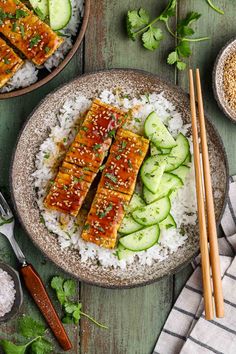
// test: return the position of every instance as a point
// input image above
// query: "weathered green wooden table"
(135, 317)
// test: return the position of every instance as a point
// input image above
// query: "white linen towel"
(186, 331)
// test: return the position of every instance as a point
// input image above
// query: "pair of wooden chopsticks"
(207, 228)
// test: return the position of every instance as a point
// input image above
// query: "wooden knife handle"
(37, 290)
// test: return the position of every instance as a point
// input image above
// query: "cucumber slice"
(129, 225)
(181, 172)
(154, 150)
(178, 154)
(141, 240)
(156, 131)
(152, 213)
(40, 8)
(168, 223)
(168, 184)
(151, 173)
(123, 253)
(59, 13)
(136, 202)
(188, 159)
(165, 151)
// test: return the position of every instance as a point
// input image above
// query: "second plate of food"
(103, 180)
(38, 39)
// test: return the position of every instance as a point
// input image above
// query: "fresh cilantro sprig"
(34, 331)
(182, 50)
(214, 7)
(66, 291)
(138, 23)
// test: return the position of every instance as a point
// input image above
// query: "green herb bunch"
(35, 332)
(139, 24)
(66, 291)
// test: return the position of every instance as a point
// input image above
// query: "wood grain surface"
(135, 317)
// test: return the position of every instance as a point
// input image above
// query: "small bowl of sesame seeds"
(224, 79)
(11, 295)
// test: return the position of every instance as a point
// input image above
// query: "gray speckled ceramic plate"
(36, 130)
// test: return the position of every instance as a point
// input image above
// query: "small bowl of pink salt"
(224, 79)
(11, 295)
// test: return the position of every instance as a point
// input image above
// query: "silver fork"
(7, 223)
(31, 278)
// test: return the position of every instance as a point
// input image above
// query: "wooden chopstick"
(211, 222)
(206, 279)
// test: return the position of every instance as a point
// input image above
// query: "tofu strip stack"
(115, 188)
(31, 36)
(10, 62)
(84, 158)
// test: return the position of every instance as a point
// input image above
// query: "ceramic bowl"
(36, 130)
(19, 294)
(218, 86)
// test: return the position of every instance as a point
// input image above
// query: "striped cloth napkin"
(186, 331)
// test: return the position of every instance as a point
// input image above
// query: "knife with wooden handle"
(37, 290)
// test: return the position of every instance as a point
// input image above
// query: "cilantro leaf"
(11, 348)
(57, 283)
(172, 58)
(77, 313)
(183, 28)
(169, 11)
(185, 31)
(152, 38)
(70, 307)
(190, 18)
(61, 296)
(183, 49)
(67, 319)
(181, 65)
(29, 328)
(41, 346)
(69, 288)
(74, 310)
(136, 19)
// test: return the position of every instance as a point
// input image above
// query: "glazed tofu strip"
(10, 62)
(115, 188)
(84, 158)
(105, 217)
(125, 158)
(34, 38)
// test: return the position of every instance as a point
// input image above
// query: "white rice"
(183, 203)
(28, 73)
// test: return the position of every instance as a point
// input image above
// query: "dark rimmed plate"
(44, 75)
(36, 130)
